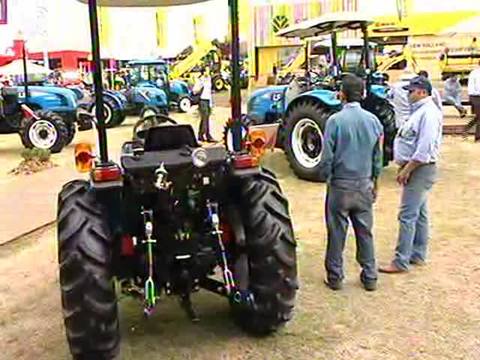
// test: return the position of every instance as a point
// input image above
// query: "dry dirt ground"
(430, 313)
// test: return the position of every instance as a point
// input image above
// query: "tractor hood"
(143, 3)
(67, 94)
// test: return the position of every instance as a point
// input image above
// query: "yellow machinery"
(182, 68)
(400, 61)
(294, 65)
(459, 63)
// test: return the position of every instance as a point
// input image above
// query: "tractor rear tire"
(87, 291)
(271, 252)
(72, 130)
(304, 157)
(49, 124)
(384, 111)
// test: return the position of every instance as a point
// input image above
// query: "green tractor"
(172, 218)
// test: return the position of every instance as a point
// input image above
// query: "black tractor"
(172, 218)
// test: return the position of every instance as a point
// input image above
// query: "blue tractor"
(114, 105)
(45, 119)
(150, 89)
(304, 106)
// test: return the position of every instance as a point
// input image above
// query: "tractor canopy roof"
(326, 24)
(144, 3)
(342, 43)
(155, 62)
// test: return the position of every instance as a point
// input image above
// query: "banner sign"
(3, 12)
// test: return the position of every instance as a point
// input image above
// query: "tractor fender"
(326, 97)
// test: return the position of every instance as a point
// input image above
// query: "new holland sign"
(279, 22)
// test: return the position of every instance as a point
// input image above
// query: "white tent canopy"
(325, 24)
(142, 3)
(16, 68)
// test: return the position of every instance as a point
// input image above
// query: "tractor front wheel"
(45, 131)
(185, 104)
(218, 83)
(271, 252)
(87, 291)
(114, 116)
(303, 138)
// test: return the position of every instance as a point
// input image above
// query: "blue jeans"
(350, 200)
(413, 217)
(455, 100)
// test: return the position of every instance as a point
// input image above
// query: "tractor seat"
(169, 137)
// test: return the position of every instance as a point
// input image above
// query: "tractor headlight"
(199, 158)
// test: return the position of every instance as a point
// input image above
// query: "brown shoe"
(391, 269)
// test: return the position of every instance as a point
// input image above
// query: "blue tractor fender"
(267, 105)
(326, 97)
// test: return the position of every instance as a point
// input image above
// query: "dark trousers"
(475, 101)
(205, 111)
(350, 200)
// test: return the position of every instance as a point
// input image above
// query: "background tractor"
(151, 87)
(172, 218)
(303, 107)
(37, 128)
(44, 117)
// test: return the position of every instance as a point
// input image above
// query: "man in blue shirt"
(416, 151)
(351, 163)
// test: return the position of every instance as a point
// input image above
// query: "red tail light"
(128, 248)
(227, 233)
(245, 161)
(108, 173)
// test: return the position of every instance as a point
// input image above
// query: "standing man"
(416, 151)
(204, 88)
(351, 163)
(453, 94)
(474, 95)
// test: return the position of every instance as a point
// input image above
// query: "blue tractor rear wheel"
(303, 137)
(384, 111)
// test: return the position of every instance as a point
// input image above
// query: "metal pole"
(334, 53)
(25, 72)
(307, 57)
(97, 80)
(366, 54)
(235, 95)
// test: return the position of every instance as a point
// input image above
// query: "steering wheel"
(147, 122)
